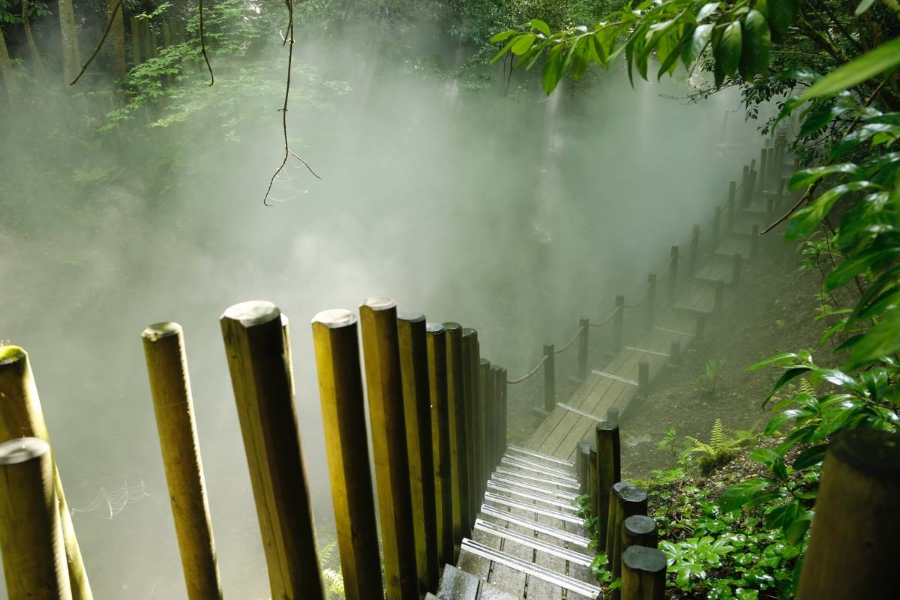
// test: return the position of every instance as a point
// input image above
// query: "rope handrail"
(607, 319)
(641, 299)
(572, 341)
(530, 373)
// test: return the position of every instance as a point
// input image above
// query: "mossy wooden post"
(639, 530)
(593, 489)
(417, 409)
(855, 538)
(716, 225)
(675, 353)
(700, 332)
(625, 500)
(473, 453)
(643, 574)
(618, 324)
(754, 241)
(459, 471)
(745, 185)
(21, 416)
(673, 274)
(719, 298)
(549, 378)
(135, 27)
(381, 356)
(693, 250)
(729, 206)
(609, 471)
(263, 382)
(736, 268)
(500, 399)
(651, 302)
(584, 338)
(440, 439)
(582, 455)
(336, 344)
(173, 406)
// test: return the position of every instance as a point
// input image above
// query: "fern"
(334, 584)
(717, 437)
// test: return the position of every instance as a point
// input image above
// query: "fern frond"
(698, 446)
(334, 583)
(327, 553)
(717, 436)
(806, 387)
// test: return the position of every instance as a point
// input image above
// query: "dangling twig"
(212, 78)
(109, 25)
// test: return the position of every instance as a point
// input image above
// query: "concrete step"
(494, 514)
(514, 450)
(533, 542)
(498, 500)
(456, 584)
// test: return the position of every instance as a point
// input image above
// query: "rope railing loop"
(530, 374)
(639, 300)
(572, 341)
(607, 319)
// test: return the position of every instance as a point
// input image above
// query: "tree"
(6, 69)
(117, 38)
(32, 46)
(71, 56)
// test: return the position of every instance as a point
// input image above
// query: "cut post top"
(432, 327)
(12, 354)
(639, 558)
(639, 524)
(22, 450)
(452, 326)
(378, 303)
(411, 317)
(159, 331)
(334, 318)
(253, 312)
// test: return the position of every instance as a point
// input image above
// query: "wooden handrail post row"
(336, 341)
(625, 500)
(381, 356)
(584, 326)
(21, 415)
(173, 407)
(417, 409)
(440, 439)
(618, 324)
(609, 471)
(643, 574)
(470, 385)
(549, 378)
(673, 275)
(262, 379)
(31, 539)
(459, 467)
(651, 302)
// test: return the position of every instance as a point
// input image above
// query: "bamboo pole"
(173, 406)
(346, 444)
(855, 538)
(609, 471)
(381, 355)
(440, 439)
(643, 574)
(417, 409)
(584, 326)
(263, 384)
(21, 416)
(473, 455)
(457, 411)
(673, 274)
(31, 539)
(549, 378)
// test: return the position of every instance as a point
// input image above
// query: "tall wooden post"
(381, 356)
(855, 538)
(643, 574)
(262, 378)
(751, 194)
(440, 439)
(729, 206)
(549, 377)
(694, 250)
(779, 194)
(500, 389)
(31, 541)
(651, 301)
(417, 410)
(609, 471)
(459, 468)
(592, 478)
(173, 406)
(486, 387)
(582, 454)
(21, 416)
(473, 454)
(135, 26)
(673, 274)
(625, 500)
(584, 326)
(716, 225)
(346, 444)
(764, 155)
(745, 185)
(618, 324)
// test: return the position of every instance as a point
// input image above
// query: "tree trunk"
(6, 71)
(71, 57)
(40, 70)
(117, 38)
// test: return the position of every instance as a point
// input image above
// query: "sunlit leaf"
(870, 64)
(757, 41)
(801, 179)
(728, 48)
(540, 26)
(699, 41)
(503, 35)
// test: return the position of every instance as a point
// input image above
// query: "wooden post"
(455, 401)
(500, 389)
(651, 301)
(675, 353)
(440, 439)
(470, 384)
(483, 441)
(764, 155)
(855, 538)
(673, 274)
(486, 388)
(549, 378)
(719, 300)
(151, 37)
(729, 206)
(381, 356)
(618, 322)
(770, 209)
(626, 500)
(581, 465)
(346, 445)
(693, 251)
(593, 489)
(745, 185)
(21, 416)
(639, 530)
(716, 224)
(417, 410)
(584, 327)
(751, 194)
(263, 383)
(643, 574)
(701, 328)
(736, 268)
(754, 240)
(173, 406)
(609, 471)
(31, 540)
(779, 195)
(644, 378)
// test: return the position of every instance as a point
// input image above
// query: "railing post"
(736, 268)
(779, 195)
(719, 300)
(729, 206)
(644, 378)
(584, 325)
(501, 390)
(609, 471)
(440, 439)
(582, 454)
(473, 454)
(764, 155)
(34, 558)
(651, 300)
(716, 225)
(618, 322)
(381, 356)
(693, 251)
(639, 530)
(21, 416)
(417, 411)
(346, 446)
(754, 240)
(751, 195)
(592, 478)
(455, 401)
(258, 352)
(643, 574)
(855, 537)
(481, 431)
(173, 406)
(673, 274)
(675, 353)
(486, 389)
(549, 378)
(745, 185)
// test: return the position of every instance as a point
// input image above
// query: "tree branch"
(212, 78)
(100, 45)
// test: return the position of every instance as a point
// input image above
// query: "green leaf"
(523, 43)
(806, 220)
(786, 378)
(782, 517)
(821, 115)
(503, 35)
(727, 49)
(797, 530)
(707, 10)
(743, 493)
(857, 264)
(870, 64)
(757, 41)
(779, 13)
(863, 7)
(809, 457)
(540, 26)
(503, 51)
(786, 356)
(552, 70)
(801, 179)
(699, 41)
(881, 340)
